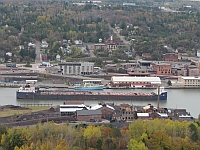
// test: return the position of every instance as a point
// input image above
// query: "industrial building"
(130, 81)
(76, 68)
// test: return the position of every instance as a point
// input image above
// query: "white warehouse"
(130, 81)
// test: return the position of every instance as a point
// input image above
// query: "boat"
(29, 92)
(88, 86)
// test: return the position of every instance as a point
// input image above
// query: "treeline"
(150, 27)
(156, 134)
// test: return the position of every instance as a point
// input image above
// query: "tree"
(169, 83)
(134, 145)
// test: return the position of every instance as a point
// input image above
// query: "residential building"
(76, 68)
(57, 57)
(78, 42)
(44, 56)
(44, 44)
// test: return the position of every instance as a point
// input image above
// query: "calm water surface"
(177, 98)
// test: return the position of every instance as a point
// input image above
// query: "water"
(177, 98)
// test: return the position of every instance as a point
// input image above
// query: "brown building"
(44, 57)
(162, 68)
(111, 45)
(139, 72)
(129, 65)
(170, 57)
(192, 71)
(89, 115)
(146, 56)
(106, 110)
(100, 46)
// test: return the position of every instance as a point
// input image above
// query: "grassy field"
(9, 112)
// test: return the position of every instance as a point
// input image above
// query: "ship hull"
(82, 97)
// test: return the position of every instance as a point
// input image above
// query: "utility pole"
(158, 100)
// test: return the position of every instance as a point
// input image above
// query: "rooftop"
(190, 78)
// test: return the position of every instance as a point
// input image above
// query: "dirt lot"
(26, 116)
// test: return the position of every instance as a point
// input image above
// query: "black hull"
(101, 97)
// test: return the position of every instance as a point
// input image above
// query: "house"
(31, 44)
(44, 44)
(9, 54)
(57, 57)
(78, 42)
(21, 47)
(44, 56)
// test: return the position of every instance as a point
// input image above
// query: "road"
(127, 43)
(38, 53)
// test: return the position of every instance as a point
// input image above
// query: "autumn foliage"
(156, 134)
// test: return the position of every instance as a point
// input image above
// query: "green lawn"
(9, 112)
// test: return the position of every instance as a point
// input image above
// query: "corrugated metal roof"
(190, 78)
(143, 114)
(153, 80)
(162, 114)
(88, 112)
(100, 106)
(70, 109)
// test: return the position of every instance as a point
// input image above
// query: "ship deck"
(94, 93)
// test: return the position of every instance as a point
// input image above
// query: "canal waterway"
(177, 98)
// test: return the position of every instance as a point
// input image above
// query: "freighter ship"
(28, 92)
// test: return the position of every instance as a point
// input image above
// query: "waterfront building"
(76, 68)
(129, 81)
(187, 81)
